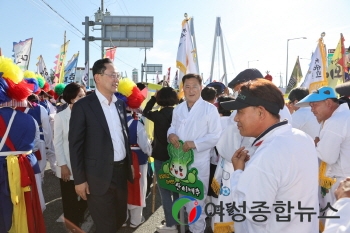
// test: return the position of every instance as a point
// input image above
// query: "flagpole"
(194, 42)
(64, 54)
(343, 56)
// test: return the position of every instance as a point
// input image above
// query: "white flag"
(85, 77)
(186, 58)
(70, 68)
(316, 76)
(41, 69)
(22, 53)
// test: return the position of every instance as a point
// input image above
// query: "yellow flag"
(335, 71)
(60, 62)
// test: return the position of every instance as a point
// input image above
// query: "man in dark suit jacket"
(99, 150)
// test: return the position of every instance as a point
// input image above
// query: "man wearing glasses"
(99, 150)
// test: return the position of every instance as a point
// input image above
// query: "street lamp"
(251, 61)
(287, 56)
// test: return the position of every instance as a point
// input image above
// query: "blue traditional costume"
(19, 202)
(140, 148)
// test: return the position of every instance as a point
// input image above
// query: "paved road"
(52, 195)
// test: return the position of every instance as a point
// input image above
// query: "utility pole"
(102, 52)
(281, 80)
(144, 70)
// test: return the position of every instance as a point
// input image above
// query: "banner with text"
(22, 53)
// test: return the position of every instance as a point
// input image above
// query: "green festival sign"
(177, 176)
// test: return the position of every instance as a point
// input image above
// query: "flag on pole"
(85, 77)
(337, 68)
(175, 82)
(186, 58)
(59, 72)
(41, 69)
(295, 77)
(222, 78)
(110, 53)
(316, 76)
(69, 71)
(168, 76)
(207, 81)
(157, 78)
(22, 51)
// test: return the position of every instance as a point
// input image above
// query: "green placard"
(177, 176)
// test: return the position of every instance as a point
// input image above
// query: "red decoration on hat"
(46, 87)
(18, 91)
(54, 94)
(30, 85)
(268, 76)
(38, 91)
(135, 99)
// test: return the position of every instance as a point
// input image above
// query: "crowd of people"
(266, 164)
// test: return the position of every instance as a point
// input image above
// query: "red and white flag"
(110, 53)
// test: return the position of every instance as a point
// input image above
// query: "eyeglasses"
(114, 75)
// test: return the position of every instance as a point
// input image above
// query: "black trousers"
(73, 209)
(109, 211)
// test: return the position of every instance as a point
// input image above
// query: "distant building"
(135, 75)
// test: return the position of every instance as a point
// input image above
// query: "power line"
(66, 20)
(121, 8)
(73, 10)
(61, 16)
(46, 12)
(78, 29)
(125, 7)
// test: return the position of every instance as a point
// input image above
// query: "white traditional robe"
(306, 121)
(342, 224)
(202, 126)
(333, 148)
(283, 168)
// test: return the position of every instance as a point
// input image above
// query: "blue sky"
(252, 29)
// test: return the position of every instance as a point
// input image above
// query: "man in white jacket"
(276, 191)
(338, 215)
(333, 144)
(197, 123)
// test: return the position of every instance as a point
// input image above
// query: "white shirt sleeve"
(214, 132)
(58, 141)
(37, 137)
(298, 120)
(244, 189)
(328, 148)
(45, 124)
(173, 125)
(142, 139)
